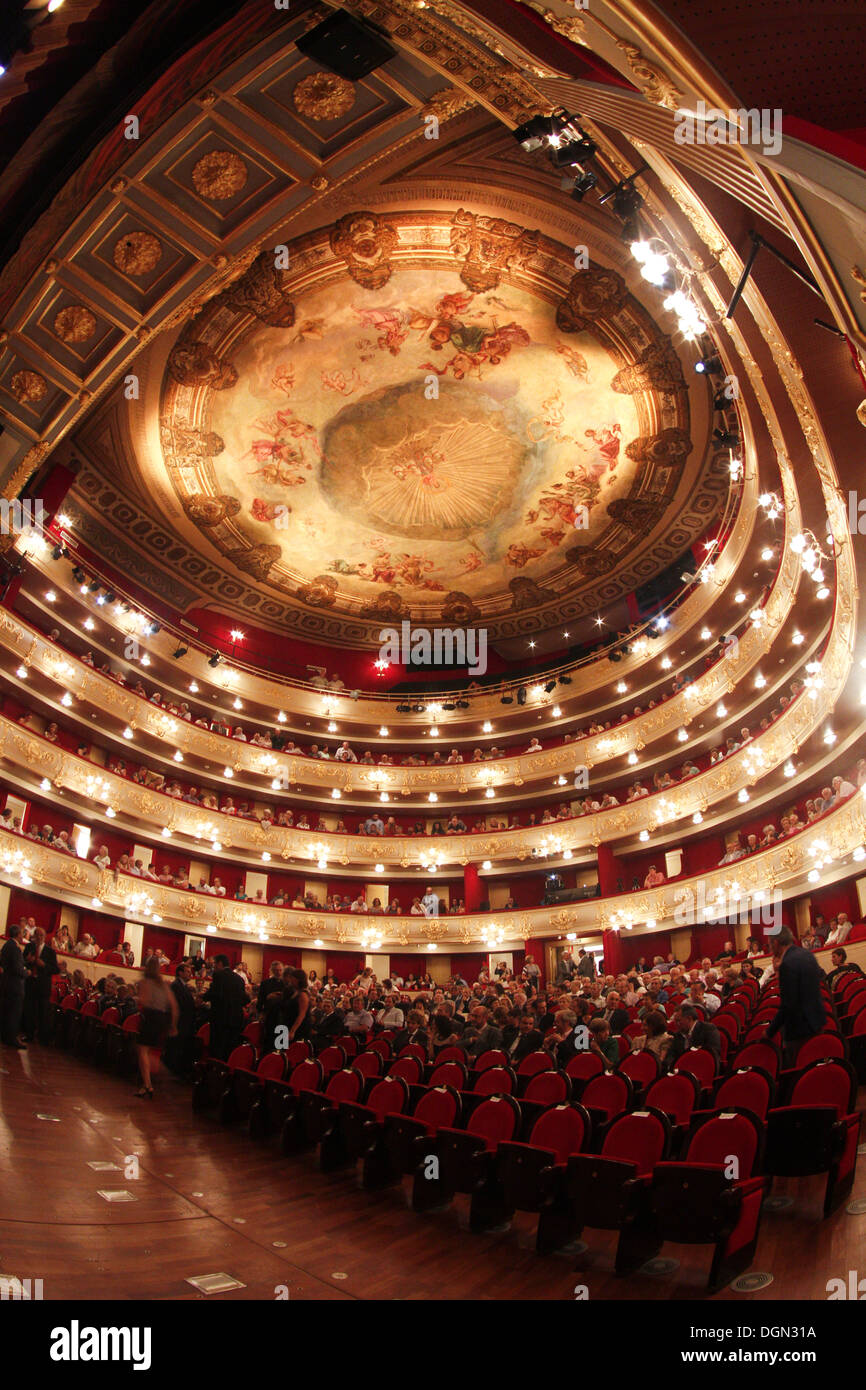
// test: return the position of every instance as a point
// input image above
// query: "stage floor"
(208, 1200)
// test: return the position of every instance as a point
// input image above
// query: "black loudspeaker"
(345, 46)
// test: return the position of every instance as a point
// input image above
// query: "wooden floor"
(209, 1201)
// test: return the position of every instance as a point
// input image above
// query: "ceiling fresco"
(402, 431)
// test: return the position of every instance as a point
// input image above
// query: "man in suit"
(40, 961)
(227, 996)
(691, 1031)
(564, 968)
(585, 965)
(12, 988)
(480, 1035)
(801, 1013)
(179, 1048)
(527, 1039)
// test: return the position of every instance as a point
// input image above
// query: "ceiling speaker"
(345, 46)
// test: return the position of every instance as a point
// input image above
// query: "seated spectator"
(374, 825)
(534, 746)
(656, 1039)
(344, 754)
(127, 953)
(358, 1019)
(86, 946)
(727, 952)
(841, 931)
(602, 1044)
(102, 859)
(62, 940)
(654, 878)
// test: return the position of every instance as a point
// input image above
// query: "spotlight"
(181, 651)
(507, 700)
(58, 552)
(110, 596)
(551, 685)
(726, 439)
(404, 709)
(708, 365)
(565, 680)
(214, 660)
(540, 130)
(153, 629)
(630, 229)
(78, 575)
(461, 704)
(521, 695)
(575, 152)
(583, 185)
(94, 585)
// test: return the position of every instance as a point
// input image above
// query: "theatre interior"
(432, 678)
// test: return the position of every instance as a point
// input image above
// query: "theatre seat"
(411, 1070)
(606, 1096)
(414, 1050)
(333, 1058)
(495, 1081)
(676, 1096)
(712, 1196)
(369, 1064)
(548, 1088)
(319, 1113)
(449, 1074)
(210, 1077)
(493, 1057)
(466, 1157)
(582, 1067)
(531, 1176)
(276, 1107)
(408, 1138)
(358, 1127)
(765, 1055)
(701, 1063)
(609, 1190)
(245, 1086)
(641, 1068)
(750, 1089)
(818, 1130)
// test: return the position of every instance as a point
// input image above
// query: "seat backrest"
(859, 1027)
(368, 1063)
(132, 1023)
(307, 1076)
(344, 1085)
(493, 1057)
(675, 1095)
(274, 1066)
(382, 1046)
(111, 1017)
(496, 1081)
(449, 1074)
(89, 1009)
(389, 1097)
(759, 1054)
(70, 1002)
(439, 1107)
(296, 1052)
(203, 1034)
(641, 1138)
(726, 1023)
(723, 1137)
(253, 1033)
(349, 1043)
(827, 1083)
(333, 1058)
(495, 1120)
(822, 1045)
(640, 1067)
(413, 1050)
(610, 1092)
(548, 1088)
(734, 1007)
(535, 1062)
(583, 1066)
(243, 1056)
(700, 1062)
(633, 1030)
(747, 1089)
(564, 1129)
(409, 1068)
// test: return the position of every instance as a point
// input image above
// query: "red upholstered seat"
(535, 1062)
(307, 1076)
(359, 1127)
(413, 1050)
(676, 1096)
(411, 1070)
(132, 1023)
(531, 1176)
(449, 1074)
(466, 1157)
(273, 1066)
(451, 1054)
(711, 1197)
(296, 1052)
(368, 1063)
(548, 1088)
(242, 1056)
(583, 1066)
(333, 1058)
(818, 1130)
(110, 1018)
(821, 1046)
(382, 1046)
(746, 1089)
(609, 1095)
(640, 1067)
(407, 1139)
(495, 1081)
(700, 1062)
(493, 1057)
(608, 1190)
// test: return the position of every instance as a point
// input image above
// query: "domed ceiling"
(434, 417)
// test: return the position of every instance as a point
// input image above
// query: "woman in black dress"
(298, 1008)
(158, 1008)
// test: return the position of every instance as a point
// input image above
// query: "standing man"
(41, 962)
(227, 996)
(564, 968)
(12, 988)
(430, 902)
(801, 1012)
(585, 965)
(179, 1048)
